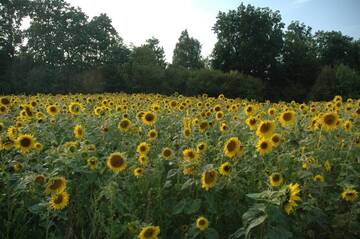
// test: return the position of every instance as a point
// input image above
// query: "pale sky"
(138, 20)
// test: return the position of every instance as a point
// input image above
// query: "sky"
(138, 20)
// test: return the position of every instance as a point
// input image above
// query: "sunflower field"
(151, 166)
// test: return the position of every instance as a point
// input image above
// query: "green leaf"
(254, 223)
(187, 184)
(179, 207)
(211, 233)
(193, 206)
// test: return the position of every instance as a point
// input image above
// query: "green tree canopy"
(187, 52)
(249, 40)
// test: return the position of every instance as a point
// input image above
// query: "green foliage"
(187, 52)
(249, 40)
(340, 80)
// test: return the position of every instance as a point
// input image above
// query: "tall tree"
(334, 48)
(187, 52)
(299, 59)
(12, 13)
(249, 40)
(154, 44)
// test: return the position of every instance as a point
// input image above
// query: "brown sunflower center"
(56, 184)
(25, 142)
(287, 116)
(116, 161)
(231, 146)
(149, 233)
(59, 199)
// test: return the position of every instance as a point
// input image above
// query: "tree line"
(255, 56)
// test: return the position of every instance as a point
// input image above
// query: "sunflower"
(52, 110)
(318, 178)
(249, 110)
(40, 179)
(202, 223)
(271, 111)
(264, 146)
(347, 125)
(219, 115)
(167, 153)
(124, 125)
(38, 146)
(349, 194)
(225, 169)
(208, 179)
(75, 108)
(59, 201)
(190, 154)
(292, 196)
(143, 159)
(200, 147)
(92, 163)
(149, 232)
(143, 148)
(233, 147)
(287, 118)
(116, 162)
(79, 132)
(252, 123)
(25, 143)
(329, 121)
(275, 140)
(265, 129)
(2, 127)
(138, 172)
(148, 118)
(187, 132)
(55, 185)
(276, 179)
(152, 134)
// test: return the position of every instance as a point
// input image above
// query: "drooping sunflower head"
(292, 197)
(252, 122)
(92, 163)
(225, 169)
(208, 179)
(318, 178)
(149, 232)
(143, 148)
(116, 162)
(40, 179)
(167, 153)
(276, 179)
(264, 146)
(190, 154)
(232, 147)
(79, 132)
(148, 118)
(349, 195)
(124, 125)
(56, 185)
(265, 129)
(138, 172)
(347, 125)
(202, 223)
(59, 201)
(200, 147)
(25, 143)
